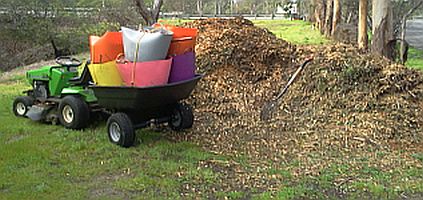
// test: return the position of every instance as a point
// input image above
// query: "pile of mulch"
(238, 43)
(344, 103)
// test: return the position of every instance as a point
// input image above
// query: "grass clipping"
(344, 100)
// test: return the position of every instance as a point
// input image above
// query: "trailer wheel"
(21, 105)
(182, 117)
(121, 130)
(74, 112)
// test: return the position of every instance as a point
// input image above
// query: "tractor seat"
(84, 79)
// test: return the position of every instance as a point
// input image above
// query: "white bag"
(146, 45)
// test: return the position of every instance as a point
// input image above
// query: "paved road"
(414, 34)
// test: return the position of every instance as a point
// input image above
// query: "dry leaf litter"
(343, 104)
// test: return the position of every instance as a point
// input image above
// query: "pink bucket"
(144, 74)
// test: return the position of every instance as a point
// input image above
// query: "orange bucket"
(179, 32)
(105, 48)
(183, 39)
(179, 46)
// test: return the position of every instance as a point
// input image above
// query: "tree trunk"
(362, 25)
(219, 8)
(156, 10)
(319, 14)
(150, 16)
(253, 10)
(231, 7)
(310, 12)
(200, 7)
(382, 28)
(336, 15)
(328, 18)
(216, 5)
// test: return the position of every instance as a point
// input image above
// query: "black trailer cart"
(132, 108)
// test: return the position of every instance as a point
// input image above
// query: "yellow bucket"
(105, 74)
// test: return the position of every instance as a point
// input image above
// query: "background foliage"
(29, 27)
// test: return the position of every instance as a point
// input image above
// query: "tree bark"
(319, 14)
(382, 28)
(150, 16)
(336, 15)
(328, 18)
(362, 25)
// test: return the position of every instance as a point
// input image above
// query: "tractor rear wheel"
(182, 117)
(21, 105)
(121, 130)
(74, 112)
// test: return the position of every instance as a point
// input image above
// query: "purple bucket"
(183, 67)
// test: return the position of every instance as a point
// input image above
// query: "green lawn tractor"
(58, 94)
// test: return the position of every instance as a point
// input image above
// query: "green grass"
(415, 58)
(368, 182)
(41, 161)
(296, 31)
(174, 21)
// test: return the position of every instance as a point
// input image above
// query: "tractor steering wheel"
(68, 62)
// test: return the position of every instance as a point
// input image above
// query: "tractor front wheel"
(21, 105)
(74, 112)
(121, 130)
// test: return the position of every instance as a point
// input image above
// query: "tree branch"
(150, 16)
(156, 9)
(411, 11)
(142, 9)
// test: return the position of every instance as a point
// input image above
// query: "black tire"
(74, 112)
(21, 105)
(120, 130)
(182, 117)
